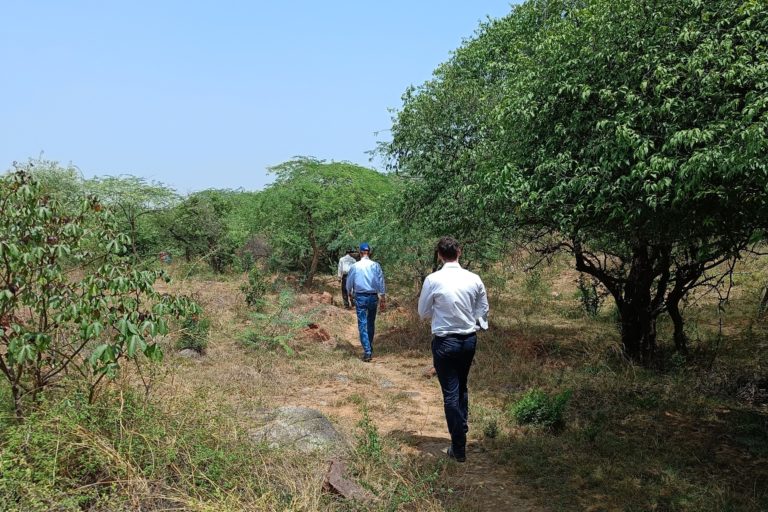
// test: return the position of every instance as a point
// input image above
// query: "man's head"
(350, 250)
(448, 248)
(365, 249)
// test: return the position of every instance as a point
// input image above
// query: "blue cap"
(365, 247)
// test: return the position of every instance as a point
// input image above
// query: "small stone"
(337, 483)
(386, 384)
(190, 353)
(342, 378)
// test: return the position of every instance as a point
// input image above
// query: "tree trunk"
(17, 407)
(315, 249)
(638, 318)
(638, 332)
(315, 260)
(673, 307)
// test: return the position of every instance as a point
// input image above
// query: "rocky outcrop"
(300, 428)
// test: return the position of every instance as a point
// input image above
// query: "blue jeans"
(365, 306)
(452, 356)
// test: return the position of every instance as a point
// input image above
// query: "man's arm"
(351, 280)
(425, 300)
(340, 267)
(481, 305)
(380, 285)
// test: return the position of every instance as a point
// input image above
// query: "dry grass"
(693, 436)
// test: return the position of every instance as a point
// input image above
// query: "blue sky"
(208, 94)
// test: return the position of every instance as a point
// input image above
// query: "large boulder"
(301, 428)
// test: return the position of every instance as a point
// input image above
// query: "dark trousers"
(344, 294)
(452, 357)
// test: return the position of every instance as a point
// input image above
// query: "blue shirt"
(365, 276)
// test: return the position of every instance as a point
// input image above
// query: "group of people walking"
(456, 301)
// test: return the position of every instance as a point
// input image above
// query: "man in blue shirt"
(365, 281)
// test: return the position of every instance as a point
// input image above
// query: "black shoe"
(367, 358)
(449, 452)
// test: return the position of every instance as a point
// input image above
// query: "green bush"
(368, 439)
(535, 287)
(537, 407)
(256, 289)
(275, 329)
(194, 334)
(589, 295)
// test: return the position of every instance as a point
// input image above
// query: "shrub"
(52, 324)
(256, 289)
(536, 407)
(534, 286)
(368, 439)
(276, 329)
(589, 295)
(194, 334)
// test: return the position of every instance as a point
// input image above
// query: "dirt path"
(408, 406)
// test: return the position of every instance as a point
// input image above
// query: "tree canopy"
(631, 134)
(312, 204)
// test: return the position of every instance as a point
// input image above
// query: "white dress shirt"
(345, 263)
(455, 299)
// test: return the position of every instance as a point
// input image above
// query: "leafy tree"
(198, 225)
(63, 183)
(311, 204)
(70, 299)
(631, 134)
(132, 198)
(443, 140)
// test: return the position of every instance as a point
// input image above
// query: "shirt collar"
(451, 264)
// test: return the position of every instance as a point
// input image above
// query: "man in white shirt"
(345, 263)
(456, 301)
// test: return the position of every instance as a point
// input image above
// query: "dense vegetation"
(578, 149)
(631, 135)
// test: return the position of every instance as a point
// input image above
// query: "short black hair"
(448, 247)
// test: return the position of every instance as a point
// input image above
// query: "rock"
(342, 378)
(313, 332)
(304, 429)
(337, 483)
(190, 353)
(386, 384)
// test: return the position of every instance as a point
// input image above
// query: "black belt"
(459, 336)
(366, 293)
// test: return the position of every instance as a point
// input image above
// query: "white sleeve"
(425, 299)
(481, 305)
